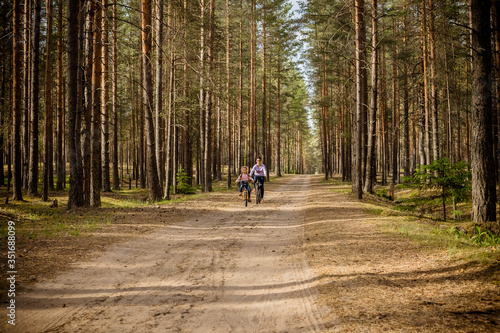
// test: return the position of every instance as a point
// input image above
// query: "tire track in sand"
(230, 269)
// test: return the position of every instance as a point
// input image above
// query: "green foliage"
(452, 179)
(481, 237)
(183, 186)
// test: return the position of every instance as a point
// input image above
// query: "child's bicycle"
(246, 193)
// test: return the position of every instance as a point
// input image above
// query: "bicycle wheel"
(246, 197)
(258, 195)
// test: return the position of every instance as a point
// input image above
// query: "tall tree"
(158, 82)
(433, 73)
(228, 104)
(48, 140)
(16, 100)
(370, 176)
(89, 98)
(483, 173)
(357, 185)
(95, 151)
(106, 186)
(75, 182)
(202, 137)
(28, 50)
(146, 41)
(116, 177)
(35, 102)
(60, 166)
(264, 88)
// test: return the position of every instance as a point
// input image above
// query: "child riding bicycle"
(243, 179)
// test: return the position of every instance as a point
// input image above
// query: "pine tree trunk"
(425, 69)
(168, 130)
(433, 92)
(60, 165)
(357, 185)
(48, 107)
(370, 177)
(278, 118)
(228, 104)
(16, 100)
(253, 86)
(395, 116)
(240, 91)
(89, 97)
(35, 102)
(159, 83)
(28, 50)
(483, 173)
(95, 169)
(406, 111)
(496, 28)
(202, 164)
(264, 97)
(146, 40)
(106, 186)
(116, 180)
(76, 179)
(209, 112)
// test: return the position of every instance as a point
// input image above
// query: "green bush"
(452, 179)
(183, 186)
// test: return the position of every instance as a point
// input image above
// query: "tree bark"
(228, 104)
(95, 172)
(357, 185)
(75, 183)
(16, 101)
(263, 153)
(158, 83)
(89, 97)
(433, 92)
(483, 173)
(48, 140)
(203, 111)
(60, 161)
(425, 69)
(35, 102)
(106, 186)
(370, 177)
(146, 38)
(28, 49)
(116, 180)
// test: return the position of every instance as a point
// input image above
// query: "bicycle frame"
(246, 193)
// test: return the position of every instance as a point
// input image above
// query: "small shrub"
(183, 186)
(452, 179)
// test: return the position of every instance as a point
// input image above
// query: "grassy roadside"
(455, 239)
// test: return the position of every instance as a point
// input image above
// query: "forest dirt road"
(229, 269)
(310, 259)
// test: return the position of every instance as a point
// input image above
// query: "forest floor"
(310, 259)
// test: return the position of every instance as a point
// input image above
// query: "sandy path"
(229, 269)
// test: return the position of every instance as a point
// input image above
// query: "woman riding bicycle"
(259, 173)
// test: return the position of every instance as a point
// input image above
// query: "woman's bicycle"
(258, 191)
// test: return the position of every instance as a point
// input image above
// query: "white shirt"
(259, 170)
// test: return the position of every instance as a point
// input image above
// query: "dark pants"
(243, 185)
(261, 180)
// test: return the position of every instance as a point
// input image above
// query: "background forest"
(138, 92)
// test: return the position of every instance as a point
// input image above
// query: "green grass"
(441, 239)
